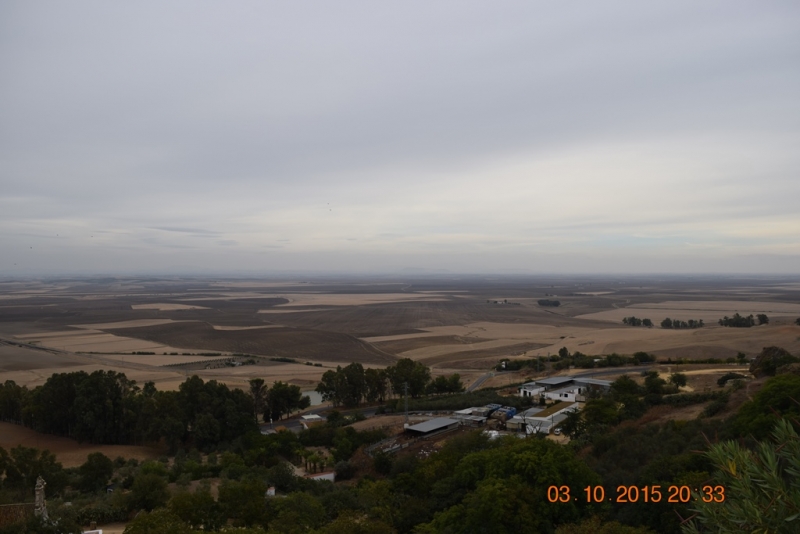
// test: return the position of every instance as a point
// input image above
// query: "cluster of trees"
(677, 323)
(277, 401)
(577, 359)
(471, 484)
(635, 321)
(740, 321)
(106, 407)
(548, 302)
(351, 385)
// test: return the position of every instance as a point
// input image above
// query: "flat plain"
(163, 329)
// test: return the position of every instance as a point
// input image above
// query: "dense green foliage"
(678, 324)
(738, 321)
(471, 484)
(635, 321)
(351, 385)
(106, 407)
(548, 302)
(762, 487)
(582, 361)
(780, 396)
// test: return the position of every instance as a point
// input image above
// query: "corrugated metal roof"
(433, 424)
(555, 380)
(593, 381)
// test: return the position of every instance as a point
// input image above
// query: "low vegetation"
(548, 302)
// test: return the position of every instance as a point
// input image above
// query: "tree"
(415, 374)
(283, 399)
(762, 318)
(666, 323)
(296, 513)
(327, 387)
(95, 472)
(647, 322)
(653, 383)
(149, 491)
(352, 523)
(376, 382)
(797, 321)
(761, 488)
(258, 392)
(678, 379)
(593, 525)
(353, 384)
(198, 509)
(157, 522)
(563, 353)
(779, 397)
(738, 321)
(623, 386)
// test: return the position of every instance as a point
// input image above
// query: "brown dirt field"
(346, 299)
(166, 306)
(68, 451)
(412, 343)
(274, 342)
(392, 423)
(14, 358)
(489, 355)
(708, 311)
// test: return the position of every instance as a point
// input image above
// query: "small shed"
(311, 420)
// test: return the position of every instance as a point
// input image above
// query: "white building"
(563, 388)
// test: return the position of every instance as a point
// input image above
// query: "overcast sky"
(258, 137)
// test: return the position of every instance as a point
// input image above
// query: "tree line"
(740, 321)
(678, 324)
(352, 385)
(277, 401)
(565, 360)
(549, 302)
(635, 321)
(106, 407)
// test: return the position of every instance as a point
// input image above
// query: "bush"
(344, 470)
(715, 407)
(548, 302)
(728, 376)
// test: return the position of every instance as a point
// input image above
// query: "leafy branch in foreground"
(762, 487)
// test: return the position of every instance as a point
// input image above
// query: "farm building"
(311, 420)
(433, 427)
(563, 388)
(466, 418)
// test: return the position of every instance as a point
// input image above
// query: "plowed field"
(301, 344)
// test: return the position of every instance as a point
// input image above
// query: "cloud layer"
(372, 137)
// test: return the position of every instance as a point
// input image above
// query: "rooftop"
(554, 380)
(433, 424)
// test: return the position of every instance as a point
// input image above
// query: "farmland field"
(452, 325)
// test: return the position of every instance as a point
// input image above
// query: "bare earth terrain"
(68, 451)
(463, 325)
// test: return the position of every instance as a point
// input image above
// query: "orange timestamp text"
(633, 494)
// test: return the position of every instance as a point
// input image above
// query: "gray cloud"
(381, 136)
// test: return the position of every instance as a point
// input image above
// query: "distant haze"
(535, 137)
